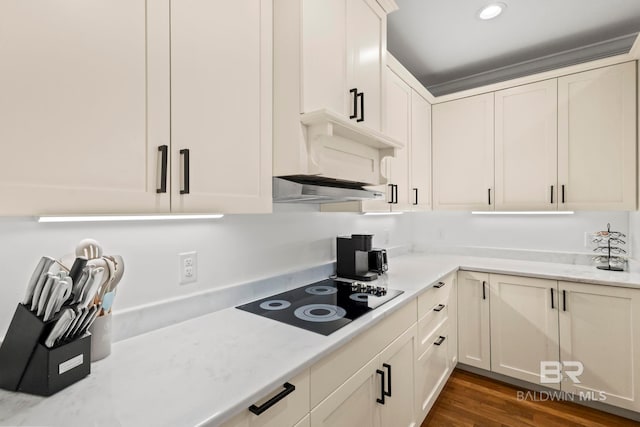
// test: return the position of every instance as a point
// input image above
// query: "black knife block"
(27, 365)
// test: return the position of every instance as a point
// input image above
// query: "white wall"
(634, 235)
(231, 250)
(564, 233)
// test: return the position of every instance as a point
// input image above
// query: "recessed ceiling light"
(491, 11)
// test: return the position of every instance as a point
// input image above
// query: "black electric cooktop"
(322, 307)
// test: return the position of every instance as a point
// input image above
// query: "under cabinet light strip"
(522, 212)
(113, 218)
(383, 213)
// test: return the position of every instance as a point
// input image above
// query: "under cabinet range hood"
(309, 189)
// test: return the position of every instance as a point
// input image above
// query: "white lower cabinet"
(379, 394)
(474, 340)
(354, 403)
(524, 326)
(287, 411)
(600, 328)
(432, 370)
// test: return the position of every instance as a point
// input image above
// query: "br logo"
(551, 372)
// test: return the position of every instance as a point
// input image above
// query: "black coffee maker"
(353, 257)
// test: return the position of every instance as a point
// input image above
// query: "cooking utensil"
(46, 292)
(103, 263)
(60, 327)
(35, 276)
(89, 248)
(50, 263)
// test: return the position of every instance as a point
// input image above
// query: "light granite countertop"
(208, 369)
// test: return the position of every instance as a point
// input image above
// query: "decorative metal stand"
(609, 245)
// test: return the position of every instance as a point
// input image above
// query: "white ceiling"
(441, 41)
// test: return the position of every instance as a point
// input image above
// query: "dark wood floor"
(472, 400)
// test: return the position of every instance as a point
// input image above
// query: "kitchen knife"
(56, 299)
(78, 313)
(76, 327)
(66, 285)
(47, 291)
(50, 262)
(61, 325)
(34, 279)
(78, 285)
(87, 320)
(94, 316)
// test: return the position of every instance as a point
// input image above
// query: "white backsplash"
(233, 250)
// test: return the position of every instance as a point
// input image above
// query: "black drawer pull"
(288, 389)
(552, 194)
(489, 193)
(415, 190)
(361, 96)
(164, 160)
(439, 285)
(484, 292)
(552, 305)
(354, 91)
(185, 154)
(562, 193)
(564, 300)
(382, 394)
(391, 187)
(388, 392)
(440, 340)
(439, 307)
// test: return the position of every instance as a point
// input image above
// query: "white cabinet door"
(420, 161)
(524, 326)
(354, 403)
(398, 126)
(597, 139)
(398, 362)
(366, 27)
(600, 328)
(221, 105)
(84, 106)
(474, 340)
(526, 147)
(432, 370)
(453, 321)
(463, 154)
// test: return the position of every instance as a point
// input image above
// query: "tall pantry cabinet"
(170, 113)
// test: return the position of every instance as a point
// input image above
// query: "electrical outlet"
(587, 239)
(188, 267)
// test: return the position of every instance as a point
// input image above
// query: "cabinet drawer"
(335, 369)
(432, 370)
(429, 324)
(286, 412)
(438, 293)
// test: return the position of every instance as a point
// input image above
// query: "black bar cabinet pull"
(564, 300)
(388, 367)
(439, 307)
(562, 193)
(361, 96)
(439, 285)
(382, 394)
(415, 191)
(484, 292)
(440, 340)
(395, 200)
(552, 304)
(552, 194)
(354, 91)
(489, 192)
(164, 154)
(288, 389)
(185, 155)
(391, 195)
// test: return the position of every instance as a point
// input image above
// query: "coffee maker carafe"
(353, 257)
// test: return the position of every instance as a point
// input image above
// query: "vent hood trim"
(288, 191)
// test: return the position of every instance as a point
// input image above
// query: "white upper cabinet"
(597, 139)
(84, 108)
(129, 106)
(463, 154)
(329, 60)
(221, 105)
(526, 149)
(420, 161)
